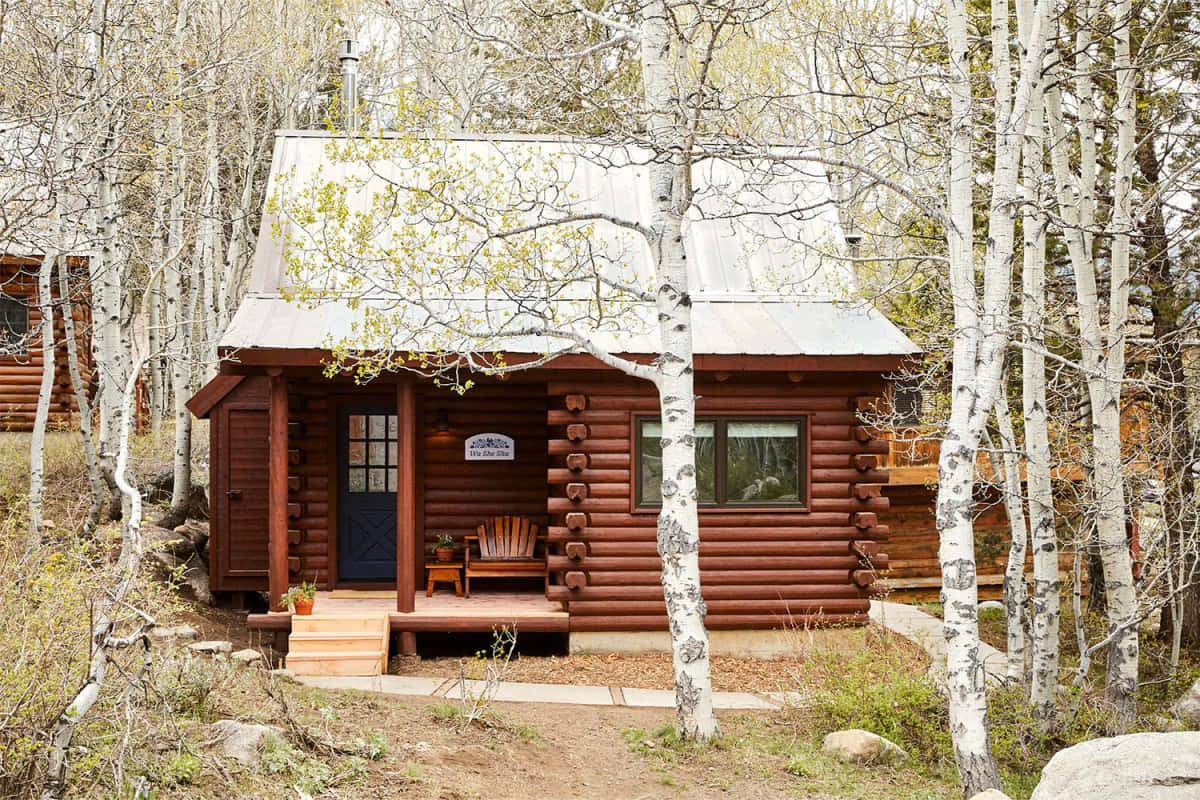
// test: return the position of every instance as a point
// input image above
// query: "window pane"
(651, 462)
(392, 479)
(358, 480)
(378, 454)
(377, 481)
(763, 462)
(357, 451)
(392, 453)
(378, 426)
(392, 431)
(358, 426)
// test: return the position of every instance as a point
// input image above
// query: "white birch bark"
(37, 441)
(678, 522)
(1044, 616)
(95, 482)
(980, 339)
(1016, 595)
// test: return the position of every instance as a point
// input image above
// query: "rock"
(992, 605)
(49, 524)
(212, 647)
(990, 794)
(249, 657)
(285, 674)
(242, 741)
(1139, 766)
(862, 747)
(175, 632)
(159, 488)
(1187, 708)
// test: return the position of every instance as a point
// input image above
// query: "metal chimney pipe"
(348, 56)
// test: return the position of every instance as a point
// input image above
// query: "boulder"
(159, 488)
(990, 794)
(862, 747)
(174, 632)
(249, 657)
(1139, 766)
(1187, 708)
(211, 647)
(283, 674)
(241, 740)
(992, 605)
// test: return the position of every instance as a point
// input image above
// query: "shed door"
(246, 495)
(367, 494)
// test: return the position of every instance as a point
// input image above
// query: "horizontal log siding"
(21, 376)
(758, 569)
(457, 495)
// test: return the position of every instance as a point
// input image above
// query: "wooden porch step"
(338, 644)
(335, 663)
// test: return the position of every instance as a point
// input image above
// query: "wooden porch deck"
(531, 612)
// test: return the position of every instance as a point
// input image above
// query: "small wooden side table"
(444, 572)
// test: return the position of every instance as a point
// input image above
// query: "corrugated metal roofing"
(753, 240)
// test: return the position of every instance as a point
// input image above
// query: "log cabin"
(317, 478)
(21, 343)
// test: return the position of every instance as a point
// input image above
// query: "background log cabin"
(21, 344)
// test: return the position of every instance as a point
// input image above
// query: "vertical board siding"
(759, 568)
(21, 376)
(237, 545)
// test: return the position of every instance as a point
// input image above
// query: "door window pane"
(358, 426)
(378, 454)
(356, 452)
(377, 481)
(392, 479)
(358, 480)
(378, 426)
(392, 431)
(762, 462)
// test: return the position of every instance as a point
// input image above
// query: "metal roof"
(754, 239)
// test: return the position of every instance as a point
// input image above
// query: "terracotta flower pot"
(444, 554)
(304, 606)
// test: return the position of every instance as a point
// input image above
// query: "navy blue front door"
(367, 493)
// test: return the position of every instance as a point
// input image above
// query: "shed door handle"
(234, 493)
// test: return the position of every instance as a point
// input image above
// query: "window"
(906, 404)
(14, 326)
(740, 461)
(371, 453)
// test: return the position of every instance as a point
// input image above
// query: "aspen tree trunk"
(37, 441)
(1044, 618)
(1016, 597)
(206, 234)
(104, 643)
(95, 482)
(980, 341)
(678, 522)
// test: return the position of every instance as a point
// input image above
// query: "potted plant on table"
(444, 548)
(299, 599)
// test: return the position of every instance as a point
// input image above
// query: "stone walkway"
(905, 620)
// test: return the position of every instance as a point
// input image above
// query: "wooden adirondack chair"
(507, 549)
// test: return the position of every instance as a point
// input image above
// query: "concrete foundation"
(764, 644)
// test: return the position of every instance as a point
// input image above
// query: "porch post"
(277, 473)
(406, 508)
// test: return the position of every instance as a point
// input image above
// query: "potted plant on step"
(444, 548)
(299, 599)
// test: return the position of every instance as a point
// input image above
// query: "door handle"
(234, 493)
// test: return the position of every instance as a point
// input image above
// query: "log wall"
(21, 375)
(759, 568)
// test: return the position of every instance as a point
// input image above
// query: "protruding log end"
(866, 403)
(864, 548)
(576, 521)
(293, 510)
(576, 580)
(862, 578)
(865, 461)
(293, 483)
(294, 564)
(864, 520)
(295, 457)
(865, 491)
(577, 491)
(863, 434)
(295, 536)
(577, 462)
(576, 550)
(576, 402)
(577, 432)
